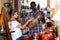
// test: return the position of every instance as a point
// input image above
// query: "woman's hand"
(31, 19)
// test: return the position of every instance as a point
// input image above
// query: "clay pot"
(26, 37)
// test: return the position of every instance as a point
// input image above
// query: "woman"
(16, 26)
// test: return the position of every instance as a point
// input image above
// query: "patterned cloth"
(36, 29)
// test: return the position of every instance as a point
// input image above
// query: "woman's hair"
(12, 12)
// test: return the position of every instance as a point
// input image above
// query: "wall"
(0, 6)
(57, 4)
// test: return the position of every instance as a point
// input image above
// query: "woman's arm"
(24, 25)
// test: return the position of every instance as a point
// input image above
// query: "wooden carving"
(3, 18)
(34, 23)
